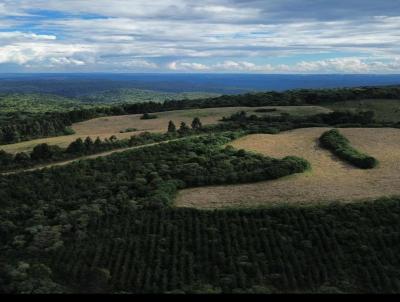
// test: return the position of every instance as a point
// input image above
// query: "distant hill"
(77, 85)
(37, 102)
(132, 95)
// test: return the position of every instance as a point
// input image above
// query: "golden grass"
(330, 179)
(105, 127)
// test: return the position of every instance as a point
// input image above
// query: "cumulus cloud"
(337, 65)
(191, 34)
(187, 66)
(23, 53)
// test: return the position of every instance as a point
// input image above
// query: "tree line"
(45, 153)
(239, 121)
(14, 128)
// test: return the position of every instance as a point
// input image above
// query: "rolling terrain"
(104, 127)
(329, 180)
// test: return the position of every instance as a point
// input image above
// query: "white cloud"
(23, 53)
(187, 66)
(66, 61)
(14, 36)
(188, 32)
(337, 65)
(140, 64)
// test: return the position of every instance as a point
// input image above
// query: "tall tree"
(42, 151)
(196, 124)
(88, 143)
(183, 128)
(171, 127)
(77, 147)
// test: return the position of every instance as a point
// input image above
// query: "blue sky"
(238, 36)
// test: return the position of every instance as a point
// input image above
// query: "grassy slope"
(330, 178)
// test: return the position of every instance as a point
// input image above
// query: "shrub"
(340, 146)
(147, 116)
(261, 110)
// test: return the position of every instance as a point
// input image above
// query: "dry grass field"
(105, 127)
(329, 180)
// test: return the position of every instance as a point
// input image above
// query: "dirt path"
(62, 163)
(330, 179)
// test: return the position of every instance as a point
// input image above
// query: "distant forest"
(15, 126)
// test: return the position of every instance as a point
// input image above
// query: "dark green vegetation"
(239, 121)
(131, 95)
(147, 116)
(265, 110)
(275, 124)
(108, 224)
(42, 209)
(14, 127)
(44, 153)
(338, 248)
(37, 103)
(127, 130)
(340, 145)
(385, 110)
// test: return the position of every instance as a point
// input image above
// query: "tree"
(196, 124)
(76, 147)
(171, 127)
(42, 151)
(97, 280)
(88, 143)
(21, 157)
(183, 128)
(5, 158)
(97, 143)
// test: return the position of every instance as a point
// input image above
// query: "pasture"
(104, 127)
(330, 179)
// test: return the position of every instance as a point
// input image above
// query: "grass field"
(330, 179)
(385, 110)
(104, 127)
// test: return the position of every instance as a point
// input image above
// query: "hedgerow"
(340, 146)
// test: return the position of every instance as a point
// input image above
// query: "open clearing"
(329, 180)
(104, 127)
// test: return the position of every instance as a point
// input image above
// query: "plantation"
(331, 249)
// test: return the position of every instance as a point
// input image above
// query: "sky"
(224, 36)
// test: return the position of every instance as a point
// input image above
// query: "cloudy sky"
(246, 36)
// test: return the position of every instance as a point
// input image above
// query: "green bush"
(340, 145)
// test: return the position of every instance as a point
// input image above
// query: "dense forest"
(43, 208)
